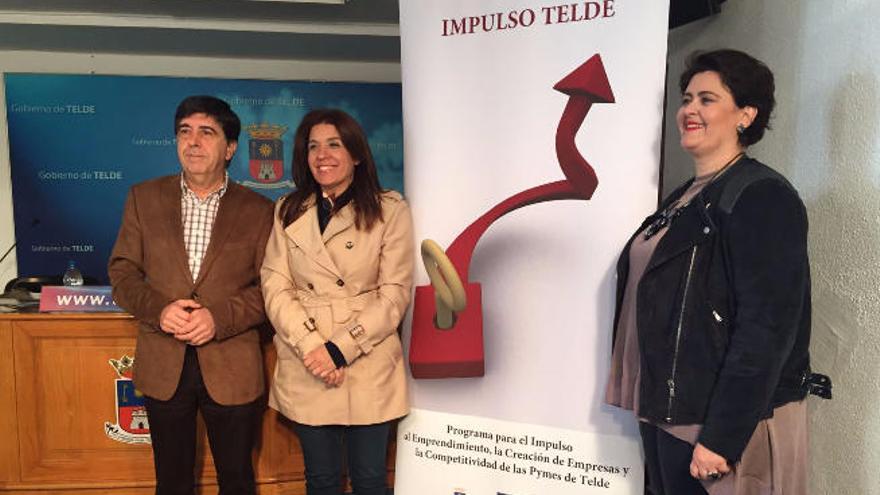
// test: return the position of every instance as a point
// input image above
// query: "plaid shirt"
(198, 220)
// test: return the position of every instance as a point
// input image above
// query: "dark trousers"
(667, 461)
(323, 448)
(231, 435)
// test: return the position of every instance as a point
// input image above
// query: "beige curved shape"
(448, 289)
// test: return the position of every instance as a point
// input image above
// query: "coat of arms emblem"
(266, 148)
(132, 424)
(266, 157)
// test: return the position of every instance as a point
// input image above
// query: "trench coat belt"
(342, 307)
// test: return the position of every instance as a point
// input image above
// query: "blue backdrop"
(78, 142)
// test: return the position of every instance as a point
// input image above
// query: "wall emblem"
(132, 425)
(266, 157)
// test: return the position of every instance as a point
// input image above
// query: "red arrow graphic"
(457, 351)
(586, 85)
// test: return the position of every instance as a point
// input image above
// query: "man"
(186, 264)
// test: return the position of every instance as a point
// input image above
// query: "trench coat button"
(311, 286)
(349, 245)
(339, 282)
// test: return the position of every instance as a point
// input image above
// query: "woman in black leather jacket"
(712, 326)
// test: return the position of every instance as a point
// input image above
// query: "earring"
(740, 129)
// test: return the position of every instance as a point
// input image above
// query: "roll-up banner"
(532, 147)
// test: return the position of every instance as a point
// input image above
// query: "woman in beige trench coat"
(336, 279)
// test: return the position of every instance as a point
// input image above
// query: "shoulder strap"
(739, 182)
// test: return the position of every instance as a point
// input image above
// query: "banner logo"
(452, 302)
(132, 425)
(266, 157)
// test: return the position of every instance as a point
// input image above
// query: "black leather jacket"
(723, 308)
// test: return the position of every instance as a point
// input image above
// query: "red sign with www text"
(84, 299)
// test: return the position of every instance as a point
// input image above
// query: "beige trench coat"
(348, 286)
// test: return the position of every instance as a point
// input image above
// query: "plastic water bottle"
(72, 276)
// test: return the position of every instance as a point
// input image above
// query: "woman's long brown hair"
(365, 189)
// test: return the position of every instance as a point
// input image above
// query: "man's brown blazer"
(149, 269)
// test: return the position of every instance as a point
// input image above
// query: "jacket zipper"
(671, 381)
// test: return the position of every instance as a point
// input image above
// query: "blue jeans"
(322, 446)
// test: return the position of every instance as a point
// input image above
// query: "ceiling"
(345, 30)
(357, 30)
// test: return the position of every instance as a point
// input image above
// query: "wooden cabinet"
(57, 390)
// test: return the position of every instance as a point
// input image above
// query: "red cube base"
(456, 352)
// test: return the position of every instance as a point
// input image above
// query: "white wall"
(94, 63)
(826, 140)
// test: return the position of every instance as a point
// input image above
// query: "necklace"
(672, 211)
